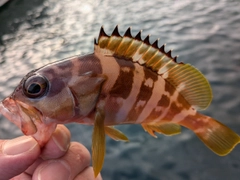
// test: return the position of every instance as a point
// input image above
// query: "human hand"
(22, 159)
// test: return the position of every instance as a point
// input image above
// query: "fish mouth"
(24, 116)
(29, 119)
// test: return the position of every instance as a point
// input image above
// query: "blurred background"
(205, 34)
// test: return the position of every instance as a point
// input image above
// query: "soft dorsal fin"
(189, 81)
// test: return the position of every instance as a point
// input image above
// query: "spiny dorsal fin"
(185, 78)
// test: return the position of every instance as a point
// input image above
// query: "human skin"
(23, 159)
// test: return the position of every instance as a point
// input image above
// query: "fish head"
(36, 107)
(47, 97)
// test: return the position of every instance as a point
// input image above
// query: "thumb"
(17, 155)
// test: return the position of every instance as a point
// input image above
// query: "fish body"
(126, 80)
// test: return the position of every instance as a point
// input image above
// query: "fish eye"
(35, 86)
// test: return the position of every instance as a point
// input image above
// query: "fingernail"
(57, 168)
(19, 145)
(61, 139)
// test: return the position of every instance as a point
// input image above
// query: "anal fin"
(98, 143)
(163, 128)
(115, 134)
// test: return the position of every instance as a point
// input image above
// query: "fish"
(126, 80)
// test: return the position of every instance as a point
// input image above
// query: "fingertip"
(63, 128)
(22, 176)
(19, 154)
(21, 145)
(76, 159)
(53, 169)
(58, 143)
(62, 137)
(81, 152)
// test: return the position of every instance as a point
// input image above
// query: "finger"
(30, 170)
(72, 163)
(17, 155)
(55, 147)
(88, 174)
(22, 176)
(58, 143)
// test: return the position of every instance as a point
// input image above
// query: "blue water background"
(203, 33)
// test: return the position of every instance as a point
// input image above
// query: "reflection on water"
(206, 35)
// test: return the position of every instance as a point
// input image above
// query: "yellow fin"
(165, 128)
(98, 143)
(115, 134)
(188, 81)
(218, 137)
(191, 84)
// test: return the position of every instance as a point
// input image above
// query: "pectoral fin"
(115, 134)
(166, 129)
(98, 143)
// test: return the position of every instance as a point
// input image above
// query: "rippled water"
(205, 34)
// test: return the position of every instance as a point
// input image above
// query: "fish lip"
(7, 106)
(21, 114)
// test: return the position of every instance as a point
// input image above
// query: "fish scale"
(126, 80)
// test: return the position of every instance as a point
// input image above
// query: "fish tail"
(216, 136)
